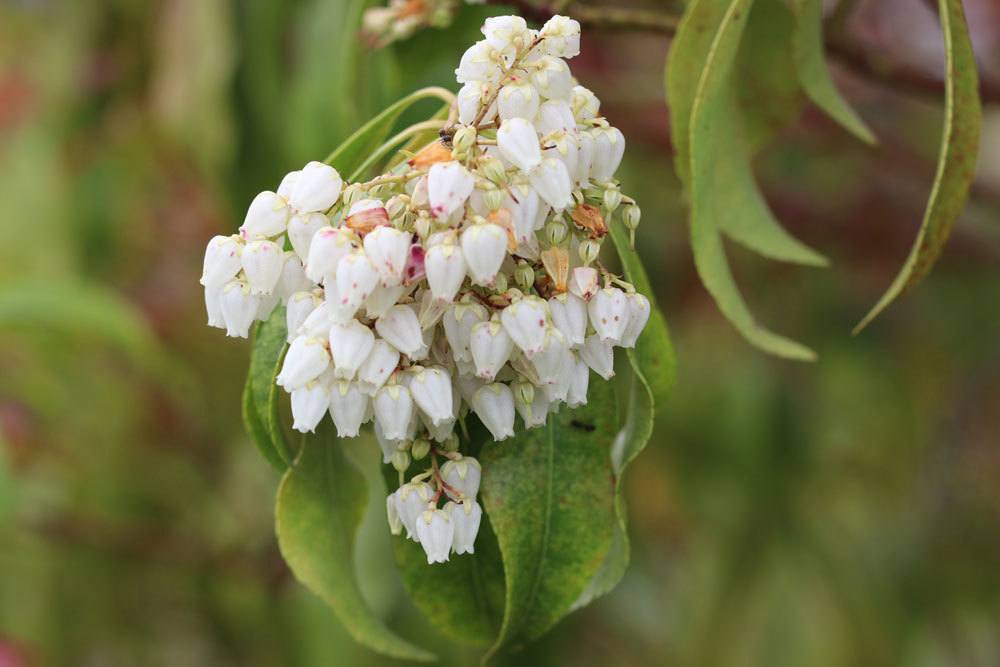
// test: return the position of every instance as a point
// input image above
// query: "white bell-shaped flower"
(585, 104)
(213, 306)
(401, 329)
(599, 356)
(445, 268)
(523, 203)
(222, 261)
(609, 314)
(449, 185)
(558, 392)
(382, 299)
(494, 405)
(393, 411)
(564, 147)
(579, 384)
(300, 307)
(356, 279)
(328, 247)
(518, 99)
(478, 65)
(586, 147)
(491, 347)
(266, 217)
(262, 262)
(411, 501)
(462, 476)
(526, 322)
(569, 315)
(555, 116)
(350, 345)
(505, 33)
(287, 183)
(348, 408)
(435, 531)
(266, 306)
(551, 181)
(317, 324)
(639, 311)
(535, 413)
(301, 230)
(583, 282)
(466, 517)
(431, 390)
(305, 361)
(392, 514)
(518, 143)
(553, 357)
(316, 188)
(458, 322)
(561, 37)
(378, 366)
(239, 307)
(388, 249)
(608, 152)
(484, 247)
(388, 447)
(309, 404)
(293, 277)
(469, 97)
(552, 77)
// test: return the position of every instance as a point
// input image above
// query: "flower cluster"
(466, 279)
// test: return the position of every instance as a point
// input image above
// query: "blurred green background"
(840, 513)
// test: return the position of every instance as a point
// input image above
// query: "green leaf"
(321, 502)
(352, 153)
(549, 493)
(814, 75)
(956, 162)
(653, 369)
(463, 598)
(724, 196)
(260, 393)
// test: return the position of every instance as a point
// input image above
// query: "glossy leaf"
(956, 162)
(260, 394)
(463, 598)
(653, 369)
(549, 493)
(352, 153)
(724, 196)
(321, 502)
(814, 75)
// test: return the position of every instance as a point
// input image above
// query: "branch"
(850, 54)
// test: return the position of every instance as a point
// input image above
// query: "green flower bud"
(589, 251)
(556, 231)
(500, 282)
(493, 169)
(451, 444)
(396, 206)
(463, 141)
(612, 199)
(420, 448)
(524, 392)
(400, 460)
(524, 276)
(352, 195)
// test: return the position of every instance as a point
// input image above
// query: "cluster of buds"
(402, 18)
(466, 279)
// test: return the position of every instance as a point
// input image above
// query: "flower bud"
(392, 513)
(348, 407)
(451, 444)
(518, 143)
(466, 517)
(589, 251)
(222, 261)
(239, 307)
(500, 282)
(584, 282)
(309, 404)
(463, 141)
(534, 413)
(435, 531)
(267, 216)
(494, 405)
(396, 207)
(316, 188)
(612, 199)
(556, 231)
(400, 460)
(631, 215)
(449, 185)
(524, 276)
(493, 198)
(420, 448)
(555, 116)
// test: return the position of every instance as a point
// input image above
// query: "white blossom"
(328, 247)
(552, 358)
(388, 249)
(579, 384)
(293, 277)
(551, 181)
(608, 151)
(222, 261)
(305, 361)
(316, 188)
(380, 363)
(300, 307)
(526, 322)
(393, 411)
(552, 77)
(466, 517)
(262, 262)
(309, 404)
(555, 116)
(463, 476)
(491, 347)
(266, 217)
(583, 282)
(411, 500)
(518, 143)
(449, 185)
(458, 322)
(431, 390)
(609, 314)
(435, 531)
(494, 405)
(350, 345)
(445, 267)
(401, 329)
(239, 307)
(348, 408)
(213, 306)
(301, 230)
(569, 315)
(639, 311)
(561, 37)
(599, 355)
(484, 247)
(518, 100)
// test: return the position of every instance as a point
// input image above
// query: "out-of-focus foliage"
(841, 514)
